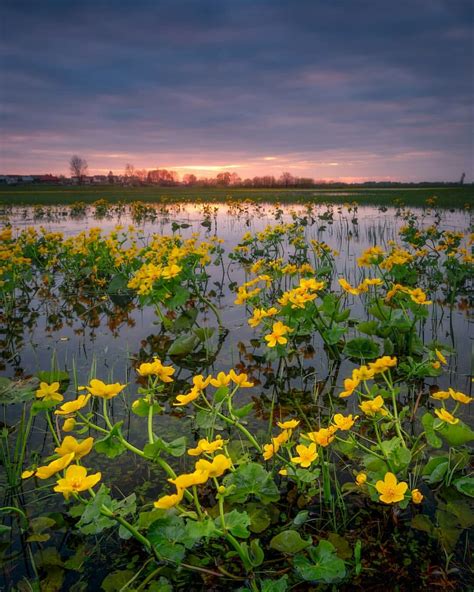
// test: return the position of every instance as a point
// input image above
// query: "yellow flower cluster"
(305, 292)
(204, 470)
(367, 373)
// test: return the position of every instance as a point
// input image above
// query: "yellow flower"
(440, 395)
(76, 480)
(440, 357)
(436, 365)
(361, 478)
(156, 368)
(200, 382)
(171, 271)
(169, 501)
(204, 446)
(345, 285)
(419, 297)
(460, 397)
(219, 465)
(185, 399)
(198, 477)
(349, 387)
(269, 450)
(49, 392)
(222, 379)
(383, 364)
(73, 406)
(307, 454)
(323, 437)
(27, 474)
(77, 447)
(445, 416)
(391, 491)
(103, 390)
(279, 330)
(283, 472)
(69, 424)
(416, 496)
(257, 317)
(288, 425)
(373, 407)
(363, 373)
(344, 423)
(240, 379)
(54, 467)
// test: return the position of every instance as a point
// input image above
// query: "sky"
(346, 90)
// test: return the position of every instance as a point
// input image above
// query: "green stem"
(51, 427)
(151, 439)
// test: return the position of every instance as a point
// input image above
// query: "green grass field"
(448, 197)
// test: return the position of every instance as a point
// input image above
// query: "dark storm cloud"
(342, 88)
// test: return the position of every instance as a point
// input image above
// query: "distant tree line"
(78, 168)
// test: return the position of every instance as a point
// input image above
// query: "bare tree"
(78, 167)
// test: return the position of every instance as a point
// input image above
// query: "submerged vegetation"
(294, 417)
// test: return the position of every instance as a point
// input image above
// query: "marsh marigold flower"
(73, 406)
(240, 379)
(206, 447)
(49, 392)
(198, 477)
(219, 465)
(323, 437)
(69, 424)
(169, 501)
(373, 407)
(97, 388)
(185, 399)
(349, 387)
(390, 490)
(221, 380)
(277, 336)
(361, 478)
(76, 480)
(416, 496)
(344, 423)
(307, 455)
(47, 471)
(291, 424)
(459, 397)
(447, 417)
(78, 447)
(383, 364)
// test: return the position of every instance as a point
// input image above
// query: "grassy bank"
(448, 197)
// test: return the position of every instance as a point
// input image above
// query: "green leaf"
(115, 581)
(333, 336)
(166, 534)
(325, 566)
(433, 440)
(465, 485)
(290, 542)
(180, 297)
(237, 523)
(186, 320)
(196, 530)
(176, 448)
(183, 345)
(260, 517)
(92, 521)
(252, 480)
(280, 585)
(243, 411)
(456, 435)
(368, 327)
(362, 348)
(17, 392)
(111, 445)
(141, 407)
(204, 333)
(50, 376)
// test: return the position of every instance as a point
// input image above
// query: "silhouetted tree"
(78, 167)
